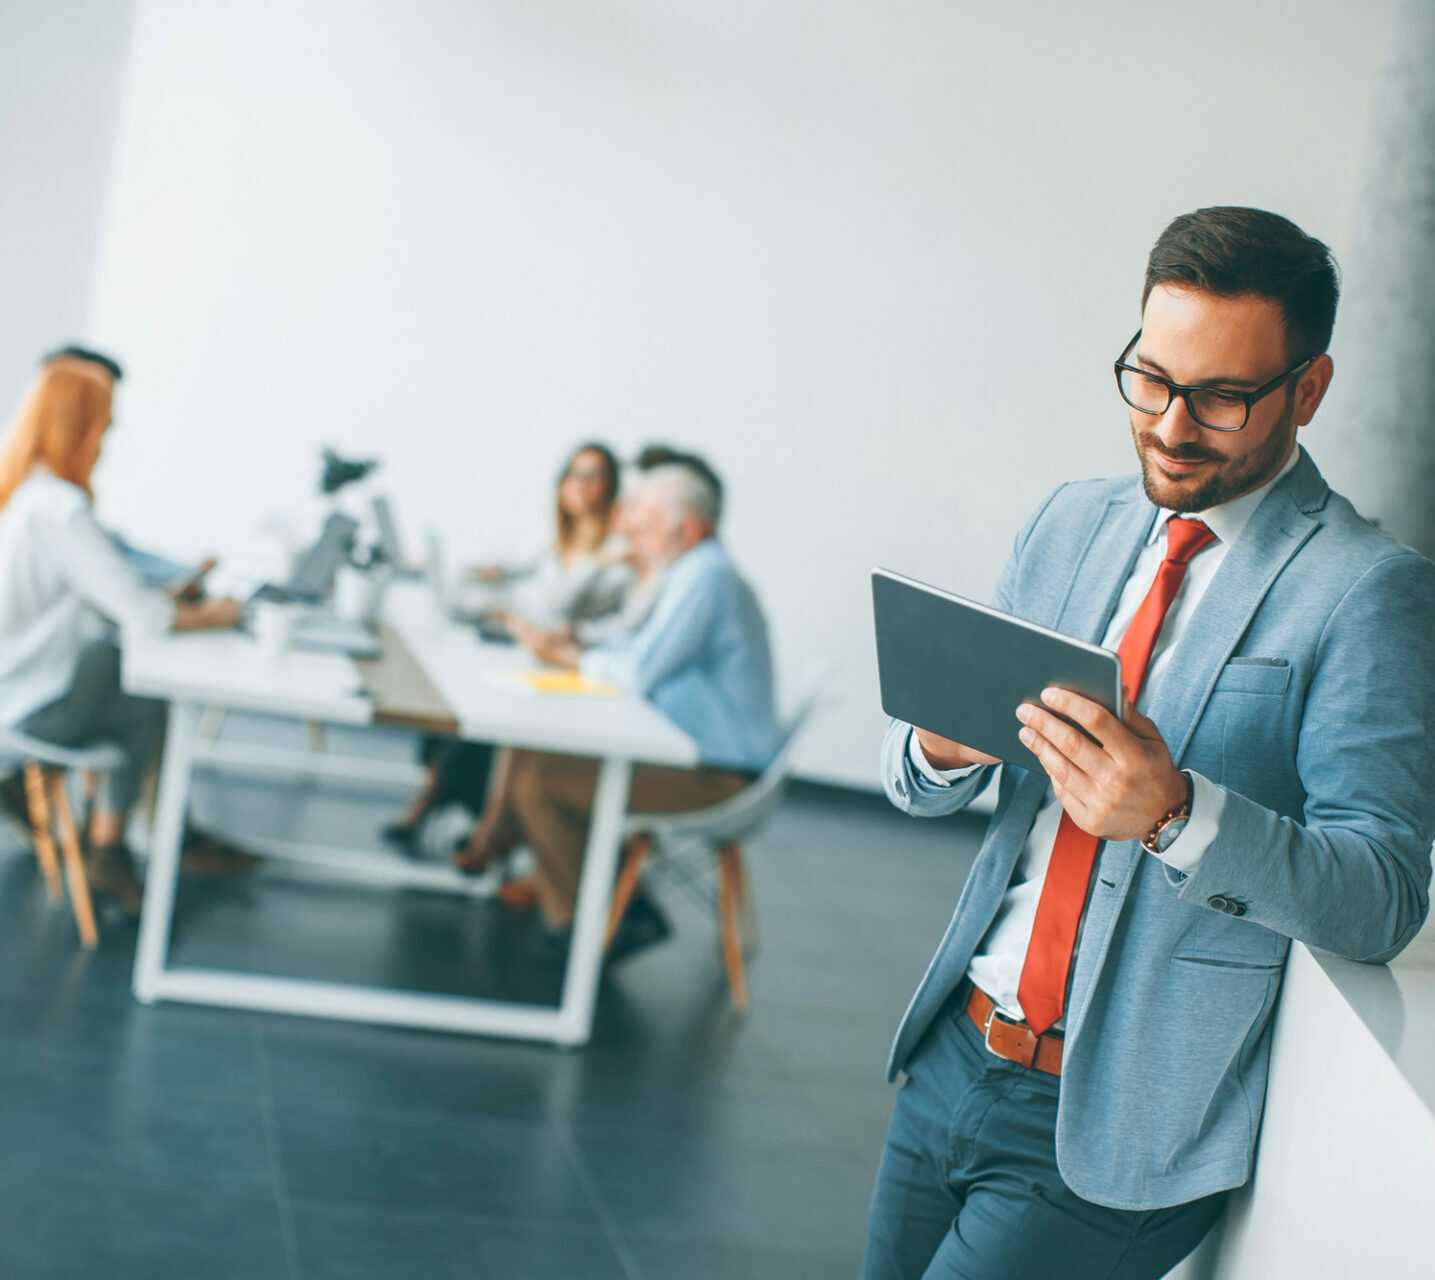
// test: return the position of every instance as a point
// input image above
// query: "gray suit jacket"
(1304, 686)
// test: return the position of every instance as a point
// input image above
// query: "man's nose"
(1176, 426)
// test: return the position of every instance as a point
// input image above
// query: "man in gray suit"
(1086, 1056)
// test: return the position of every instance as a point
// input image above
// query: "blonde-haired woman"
(64, 588)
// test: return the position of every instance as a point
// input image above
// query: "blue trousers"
(968, 1185)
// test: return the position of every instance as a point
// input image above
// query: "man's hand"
(557, 648)
(191, 590)
(943, 753)
(1115, 788)
(208, 614)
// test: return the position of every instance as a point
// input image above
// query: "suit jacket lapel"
(1271, 537)
(1105, 564)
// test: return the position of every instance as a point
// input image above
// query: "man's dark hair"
(76, 352)
(663, 455)
(1228, 251)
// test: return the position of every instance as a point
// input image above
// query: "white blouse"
(552, 593)
(60, 576)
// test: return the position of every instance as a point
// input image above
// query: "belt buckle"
(1023, 1054)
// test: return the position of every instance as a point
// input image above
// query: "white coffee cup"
(273, 626)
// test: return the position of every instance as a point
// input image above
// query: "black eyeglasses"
(1216, 408)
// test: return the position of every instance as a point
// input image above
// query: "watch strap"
(1151, 840)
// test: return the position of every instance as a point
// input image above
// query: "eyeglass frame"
(1174, 389)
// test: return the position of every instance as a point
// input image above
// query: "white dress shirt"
(996, 967)
(60, 575)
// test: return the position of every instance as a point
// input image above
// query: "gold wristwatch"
(1170, 825)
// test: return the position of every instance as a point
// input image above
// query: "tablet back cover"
(960, 669)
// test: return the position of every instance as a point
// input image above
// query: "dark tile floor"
(685, 1142)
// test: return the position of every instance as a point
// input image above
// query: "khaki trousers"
(553, 798)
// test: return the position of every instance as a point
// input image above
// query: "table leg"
(595, 895)
(163, 870)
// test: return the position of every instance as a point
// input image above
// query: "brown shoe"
(520, 894)
(111, 873)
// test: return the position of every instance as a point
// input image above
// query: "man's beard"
(1228, 479)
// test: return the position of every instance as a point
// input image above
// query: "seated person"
(583, 573)
(701, 657)
(183, 581)
(61, 580)
(581, 579)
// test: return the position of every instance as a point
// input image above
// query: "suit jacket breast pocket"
(1259, 731)
(1254, 675)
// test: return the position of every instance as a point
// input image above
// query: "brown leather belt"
(1014, 1041)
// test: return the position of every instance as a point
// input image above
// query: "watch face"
(1169, 833)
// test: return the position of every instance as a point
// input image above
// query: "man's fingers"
(1091, 716)
(1070, 742)
(1060, 768)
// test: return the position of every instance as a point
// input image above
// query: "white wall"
(62, 66)
(874, 258)
(1346, 1161)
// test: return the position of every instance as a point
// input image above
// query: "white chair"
(722, 828)
(45, 766)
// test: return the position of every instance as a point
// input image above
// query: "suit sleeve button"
(1218, 903)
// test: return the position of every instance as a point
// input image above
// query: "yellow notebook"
(569, 681)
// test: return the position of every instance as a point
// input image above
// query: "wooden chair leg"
(634, 855)
(40, 829)
(747, 916)
(730, 886)
(74, 864)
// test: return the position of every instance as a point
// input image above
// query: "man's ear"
(1310, 388)
(693, 529)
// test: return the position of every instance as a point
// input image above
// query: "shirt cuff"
(1186, 851)
(942, 777)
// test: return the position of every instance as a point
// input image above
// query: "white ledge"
(1396, 1002)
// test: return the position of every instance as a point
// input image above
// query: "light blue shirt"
(702, 658)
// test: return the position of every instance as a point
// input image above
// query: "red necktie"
(1042, 989)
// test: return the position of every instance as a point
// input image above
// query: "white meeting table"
(435, 674)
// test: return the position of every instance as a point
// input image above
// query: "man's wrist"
(938, 761)
(1179, 793)
(1167, 828)
(942, 778)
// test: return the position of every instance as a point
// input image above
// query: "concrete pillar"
(1375, 436)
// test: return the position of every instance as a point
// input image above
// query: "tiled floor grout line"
(589, 1183)
(276, 1156)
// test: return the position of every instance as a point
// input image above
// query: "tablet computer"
(961, 669)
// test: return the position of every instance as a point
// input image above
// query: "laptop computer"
(488, 626)
(390, 549)
(320, 629)
(314, 574)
